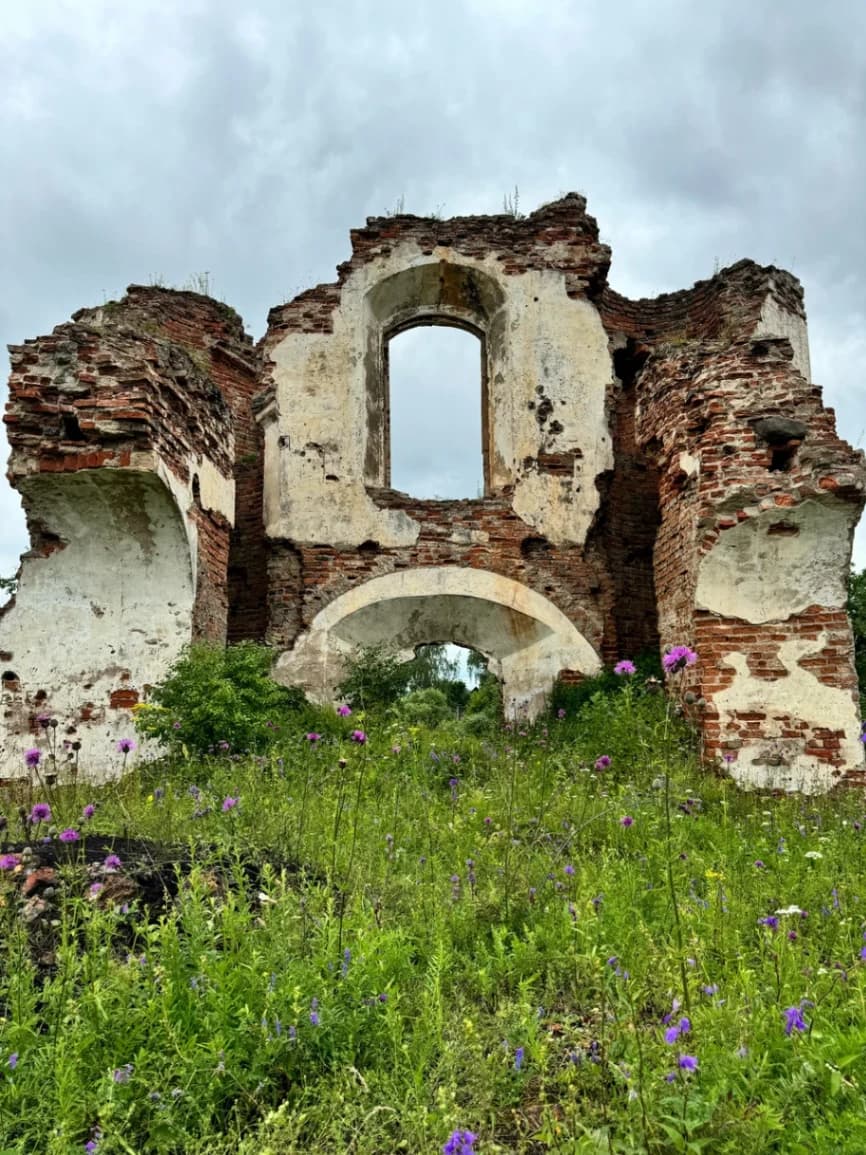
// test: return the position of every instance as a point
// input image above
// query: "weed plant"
(565, 937)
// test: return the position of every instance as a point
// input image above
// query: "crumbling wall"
(758, 500)
(656, 472)
(123, 452)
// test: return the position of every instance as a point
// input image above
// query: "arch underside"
(526, 639)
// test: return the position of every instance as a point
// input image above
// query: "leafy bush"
(857, 612)
(424, 708)
(217, 698)
(571, 698)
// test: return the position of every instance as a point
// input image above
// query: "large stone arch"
(527, 640)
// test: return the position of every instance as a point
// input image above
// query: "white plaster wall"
(117, 598)
(527, 639)
(760, 576)
(773, 762)
(547, 346)
(778, 322)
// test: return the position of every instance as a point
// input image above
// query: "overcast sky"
(164, 139)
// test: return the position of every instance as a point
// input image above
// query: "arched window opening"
(447, 682)
(436, 400)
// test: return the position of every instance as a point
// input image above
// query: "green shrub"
(572, 698)
(217, 698)
(857, 612)
(424, 708)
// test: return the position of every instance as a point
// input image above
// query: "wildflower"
(460, 1143)
(681, 1028)
(813, 854)
(122, 1074)
(624, 668)
(710, 989)
(9, 861)
(794, 1020)
(758, 864)
(41, 812)
(677, 658)
(358, 736)
(344, 965)
(125, 745)
(560, 713)
(112, 862)
(518, 1058)
(728, 757)
(229, 803)
(44, 720)
(91, 1146)
(313, 737)
(687, 1063)
(569, 870)
(770, 921)
(603, 762)
(12, 1061)
(32, 757)
(626, 820)
(791, 910)
(314, 1018)
(69, 835)
(94, 889)
(344, 711)
(88, 811)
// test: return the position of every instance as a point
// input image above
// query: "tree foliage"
(857, 612)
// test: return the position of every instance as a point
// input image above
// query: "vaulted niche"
(437, 393)
(427, 412)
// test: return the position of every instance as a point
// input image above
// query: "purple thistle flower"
(358, 736)
(626, 820)
(460, 1143)
(344, 711)
(69, 835)
(88, 811)
(687, 1063)
(126, 745)
(229, 803)
(759, 864)
(41, 812)
(112, 862)
(624, 668)
(677, 658)
(9, 861)
(560, 713)
(313, 737)
(603, 762)
(518, 1058)
(794, 1020)
(32, 757)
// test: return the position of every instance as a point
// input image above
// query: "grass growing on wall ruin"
(384, 935)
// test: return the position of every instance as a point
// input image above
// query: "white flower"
(789, 910)
(813, 854)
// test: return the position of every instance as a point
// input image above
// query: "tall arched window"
(436, 394)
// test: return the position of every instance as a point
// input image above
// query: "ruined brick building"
(656, 472)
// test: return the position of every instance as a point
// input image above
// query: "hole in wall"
(436, 395)
(782, 458)
(70, 428)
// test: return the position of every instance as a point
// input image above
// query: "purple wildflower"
(687, 1063)
(32, 757)
(569, 870)
(759, 864)
(344, 711)
(518, 1058)
(41, 812)
(70, 834)
(314, 1018)
(711, 989)
(677, 658)
(560, 713)
(358, 736)
(88, 811)
(681, 1028)
(626, 820)
(91, 1146)
(112, 862)
(770, 921)
(9, 861)
(126, 745)
(229, 803)
(313, 737)
(460, 1143)
(624, 668)
(794, 1020)
(603, 762)
(123, 1074)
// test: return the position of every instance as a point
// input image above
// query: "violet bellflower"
(460, 1143)
(794, 1020)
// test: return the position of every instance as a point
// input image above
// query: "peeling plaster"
(774, 762)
